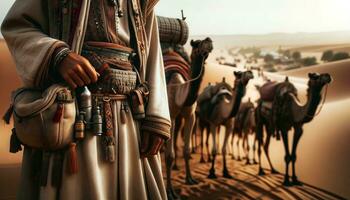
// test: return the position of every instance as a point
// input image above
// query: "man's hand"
(150, 144)
(77, 71)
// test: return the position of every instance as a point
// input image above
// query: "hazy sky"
(252, 16)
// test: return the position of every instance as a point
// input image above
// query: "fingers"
(70, 81)
(89, 69)
(77, 80)
(82, 75)
(78, 70)
(155, 143)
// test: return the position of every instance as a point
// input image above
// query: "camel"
(287, 113)
(244, 125)
(220, 108)
(182, 95)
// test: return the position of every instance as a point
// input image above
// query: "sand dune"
(340, 70)
(290, 40)
(322, 48)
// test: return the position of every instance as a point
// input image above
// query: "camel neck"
(197, 72)
(239, 93)
(314, 99)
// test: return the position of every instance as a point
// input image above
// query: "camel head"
(201, 48)
(318, 81)
(242, 78)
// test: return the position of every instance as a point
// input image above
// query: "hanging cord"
(322, 104)
(189, 81)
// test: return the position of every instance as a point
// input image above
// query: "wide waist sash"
(115, 65)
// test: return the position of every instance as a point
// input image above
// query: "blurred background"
(280, 37)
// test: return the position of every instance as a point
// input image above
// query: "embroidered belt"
(115, 65)
(115, 55)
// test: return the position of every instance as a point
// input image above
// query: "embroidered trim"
(157, 125)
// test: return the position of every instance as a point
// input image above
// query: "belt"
(100, 53)
(115, 65)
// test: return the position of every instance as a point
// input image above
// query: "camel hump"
(268, 90)
(206, 94)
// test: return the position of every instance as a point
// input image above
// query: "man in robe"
(39, 34)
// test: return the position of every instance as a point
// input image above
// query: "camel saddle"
(268, 90)
(175, 63)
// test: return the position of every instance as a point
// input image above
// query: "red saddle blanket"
(268, 90)
(173, 62)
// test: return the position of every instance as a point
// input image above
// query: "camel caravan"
(196, 112)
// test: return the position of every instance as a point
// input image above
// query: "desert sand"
(323, 161)
(322, 152)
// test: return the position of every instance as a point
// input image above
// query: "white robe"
(26, 32)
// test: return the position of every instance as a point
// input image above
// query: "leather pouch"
(44, 119)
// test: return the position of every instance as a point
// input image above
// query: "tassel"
(15, 143)
(72, 159)
(109, 148)
(58, 114)
(110, 153)
(8, 114)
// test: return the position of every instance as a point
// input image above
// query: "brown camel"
(287, 113)
(244, 125)
(204, 125)
(182, 95)
(220, 108)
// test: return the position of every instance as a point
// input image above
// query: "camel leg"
(287, 157)
(201, 131)
(193, 137)
(232, 145)
(238, 149)
(188, 128)
(254, 149)
(228, 131)
(259, 132)
(213, 152)
(218, 139)
(266, 148)
(297, 135)
(177, 129)
(246, 147)
(169, 158)
(229, 147)
(207, 143)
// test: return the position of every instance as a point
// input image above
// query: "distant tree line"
(295, 56)
(254, 50)
(329, 56)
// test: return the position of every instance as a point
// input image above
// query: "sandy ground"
(323, 160)
(245, 184)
